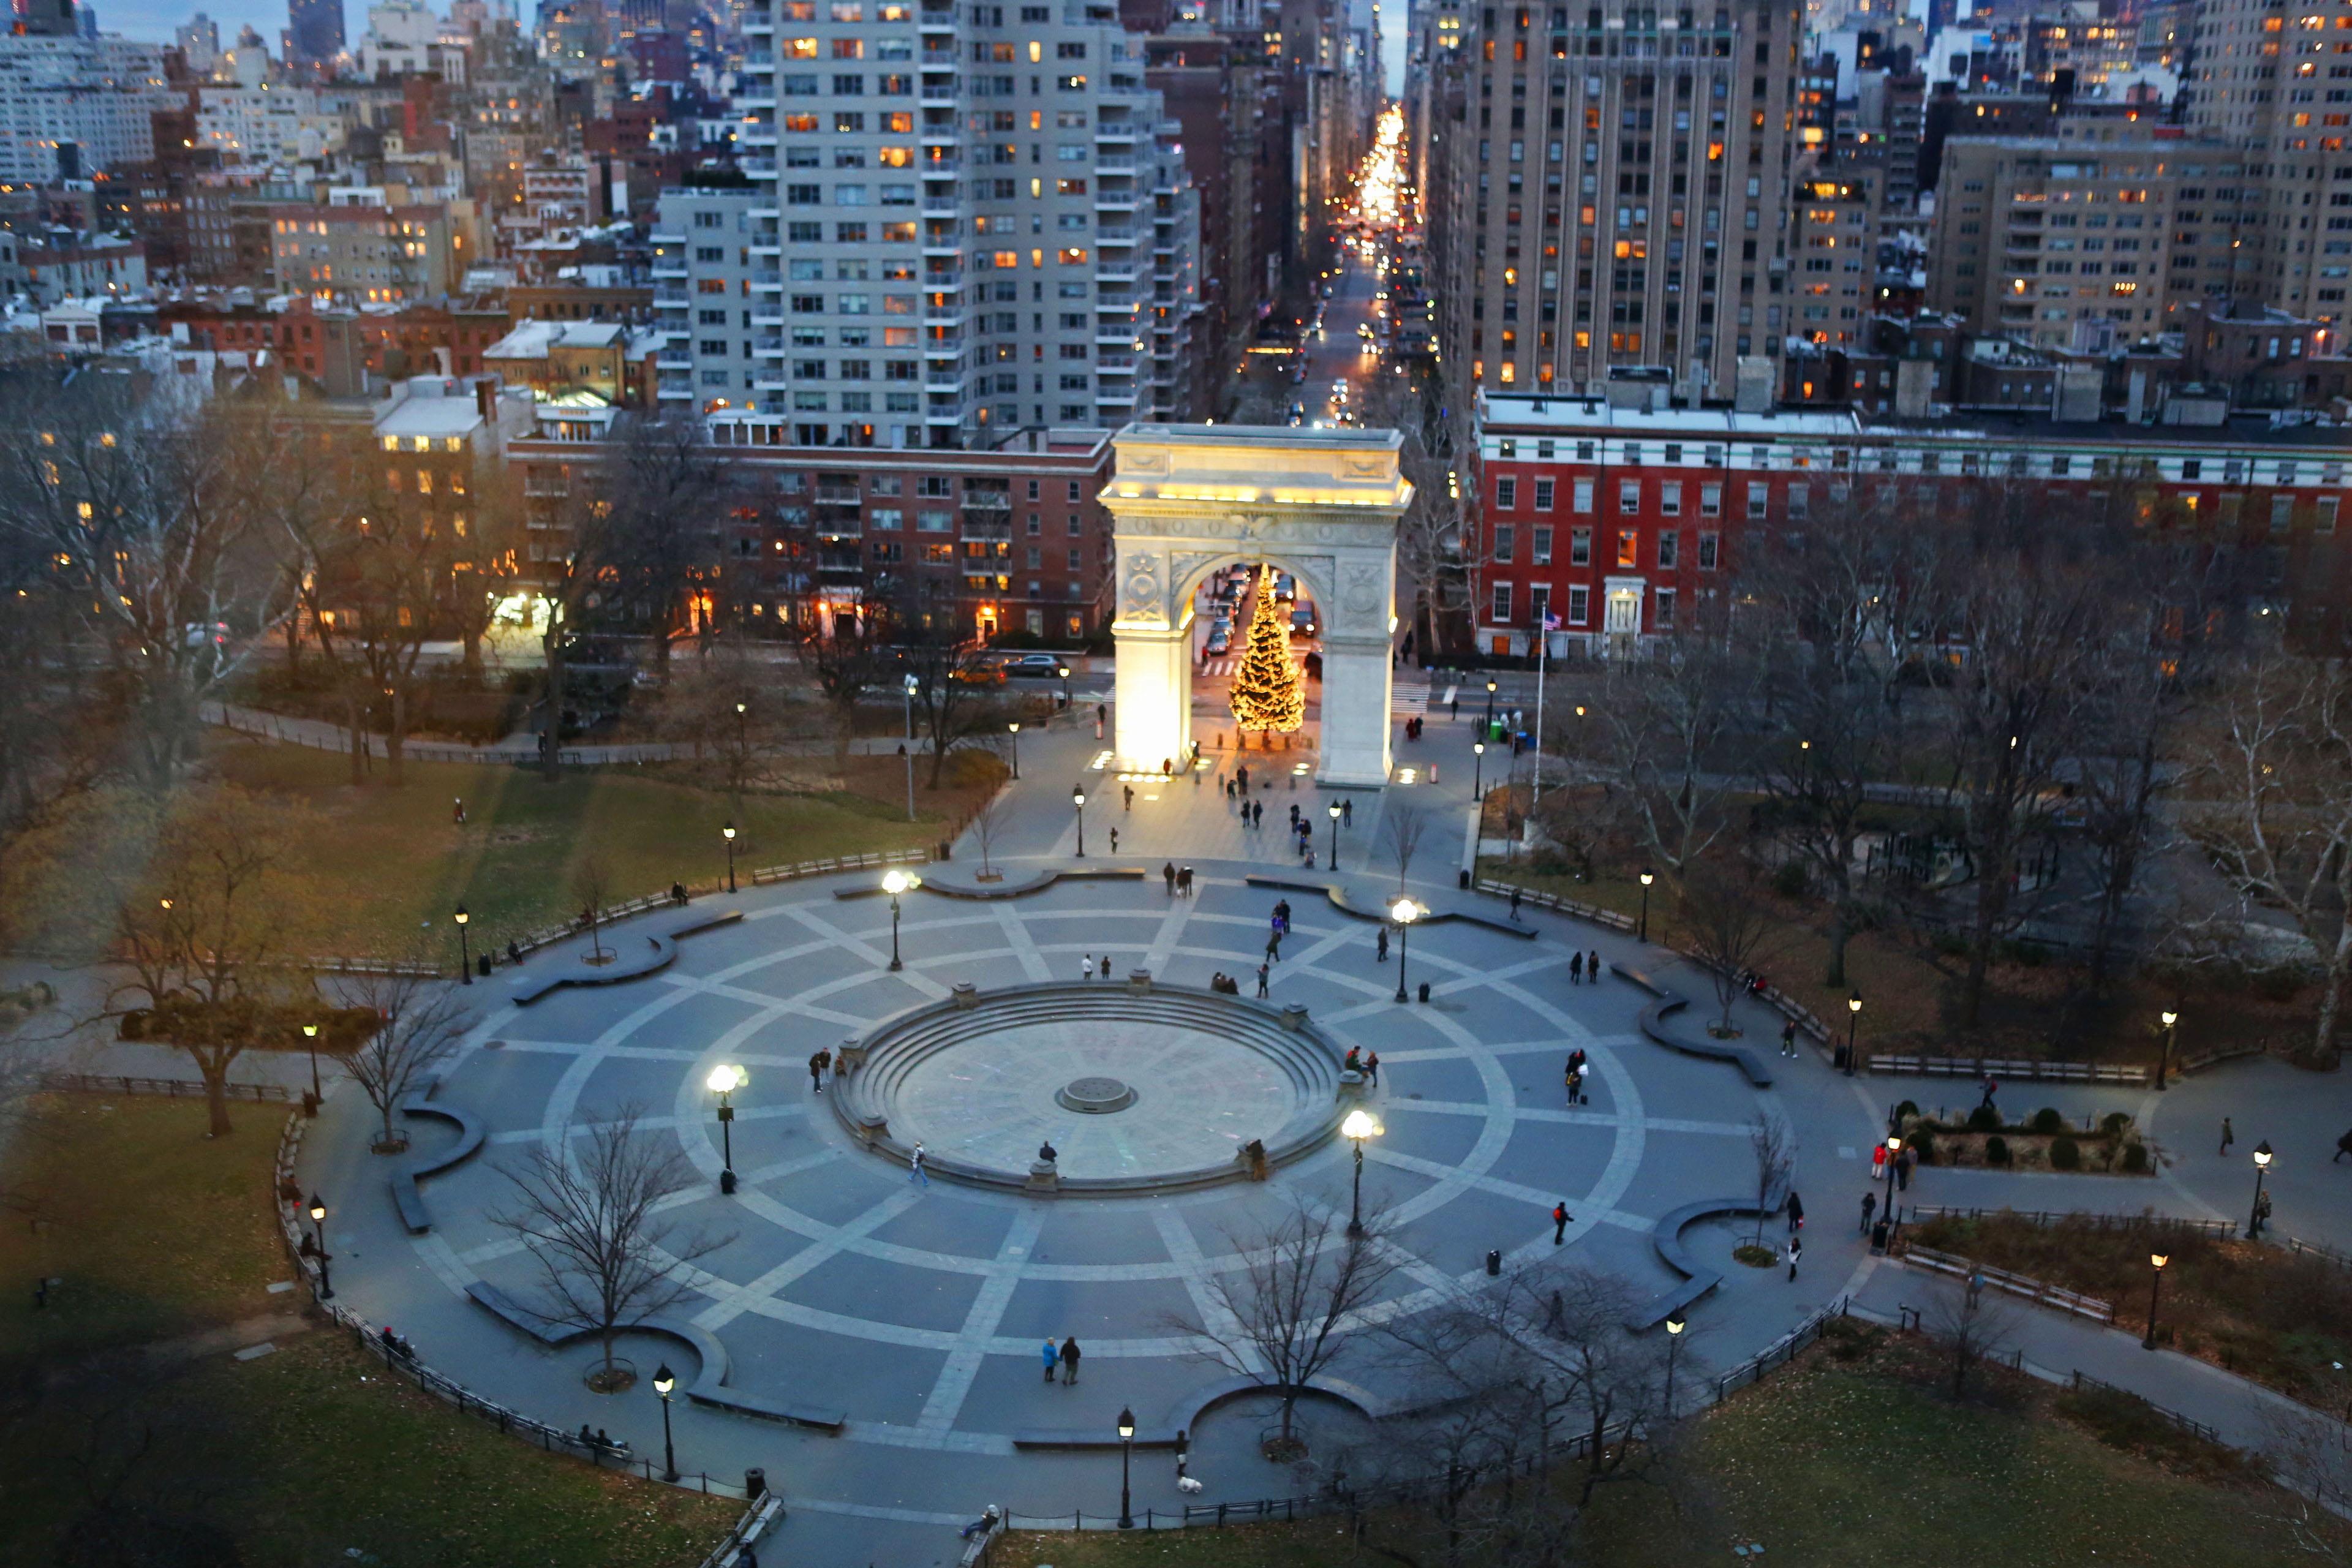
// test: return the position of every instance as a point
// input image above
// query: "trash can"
(755, 1484)
(1493, 1262)
(1424, 989)
(1465, 875)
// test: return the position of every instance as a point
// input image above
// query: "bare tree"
(2272, 756)
(1289, 1312)
(1845, 738)
(590, 1211)
(2309, 1454)
(592, 884)
(845, 658)
(1671, 737)
(418, 1023)
(1774, 1143)
(1970, 1327)
(954, 681)
(986, 823)
(1401, 837)
(1730, 930)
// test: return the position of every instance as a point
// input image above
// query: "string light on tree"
(1266, 693)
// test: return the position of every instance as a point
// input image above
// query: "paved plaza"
(918, 1310)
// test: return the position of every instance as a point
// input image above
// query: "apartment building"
(982, 204)
(705, 238)
(1619, 185)
(1834, 278)
(94, 96)
(367, 255)
(1632, 525)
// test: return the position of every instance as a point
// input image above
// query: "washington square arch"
(1187, 501)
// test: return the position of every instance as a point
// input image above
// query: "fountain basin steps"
(1139, 1089)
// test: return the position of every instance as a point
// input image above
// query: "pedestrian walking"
(1796, 1212)
(1114, 840)
(2228, 1136)
(1575, 969)
(915, 1172)
(1593, 967)
(816, 1075)
(457, 811)
(1106, 966)
(1070, 1354)
(1869, 1208)
(1991, 1088)
(1184, 881)
(1261, 979)
(1372, 1069)
(1053, 1354)
(1129, 790)
(1903, 1164)
(1183, 1452)
(1560, 1218)
(1789, 1039)
(1380, 946)
(1258, 815)
(1347, 813)
(1241, 777)
(1085, 966)
(1274, 947)
(1796, 1250)
(1515, 903)
(1167, 875)
(1455, 705)
(824, 1065)
(1571, 1077)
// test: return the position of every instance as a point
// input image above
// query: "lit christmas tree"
(1266, 694)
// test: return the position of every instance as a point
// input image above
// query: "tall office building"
(703, 269)
(2278, 82)
(314, 33)
(1617, 193)
(982, 223)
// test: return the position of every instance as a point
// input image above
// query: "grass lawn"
(1836, 1466)
(295, 1458)
(395, 859)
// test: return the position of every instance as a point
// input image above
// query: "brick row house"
(1628, 523)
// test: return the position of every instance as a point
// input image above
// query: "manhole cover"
(1095, 1095)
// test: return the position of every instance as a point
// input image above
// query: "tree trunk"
(294, 643)
(1841, 932)
(359, 737)
(550, 718)
(396, 734)
(2326, 1053)
(472, 664)
(216, 1075)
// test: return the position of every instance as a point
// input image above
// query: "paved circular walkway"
(919, 1310)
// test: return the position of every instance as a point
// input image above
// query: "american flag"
(1551, 622)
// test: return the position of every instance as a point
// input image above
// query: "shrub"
(2135, 1158)
(2114, 1122)
(1908, 1108)
(2047, 1120)
(1984, 1119)
(1923, 1145)
(1996, 1150)
(2066, 1154)
(1788, 880)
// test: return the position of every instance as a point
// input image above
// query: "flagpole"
(1543, 657)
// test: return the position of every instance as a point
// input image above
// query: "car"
(1286, 586)
(1298, 411)
(1302, 620)
(1032, 664)
(979, 675)
(1219, 642)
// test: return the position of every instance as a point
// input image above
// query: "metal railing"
(2040, 1291)
(2084, 1382)
(2050, 1219)
(2316, 1249)
(1981, 1066)
(167, 1088)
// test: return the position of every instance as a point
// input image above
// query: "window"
(1543, 547)
(1629, 544)
(1758, 494)
(1580, 547)
(1507, 494)
(1501, 607)
(1670, 549)
(1711, 552)
(1800, 501)
(1544, 494)
(1670, 499)
(1538, 604)
(2323, 525)
(1662, 619)
(1710, 500)
(1580, 604)
(1629, 496)
(1506, 541)
(1583, 495)
(2282, 513)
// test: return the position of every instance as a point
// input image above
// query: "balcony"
(673, 361)
(768, 280)
(947, 345)
(767, 348)
(939, 92)
(758, 169)
(955, 385)
(935, 207)
(945, 57)
(1123, 133)
(1114, 166)
(1116, 364)
(762, 317)
(1114, 274)
(846, 494)
(669, 294)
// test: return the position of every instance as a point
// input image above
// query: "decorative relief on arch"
(1359, 589)
(1140, 578)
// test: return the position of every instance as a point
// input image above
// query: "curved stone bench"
(1666, 1236)
(1186, 1415)
(862, 1101)
(629, 962)
(1654, 1024)
(710, 1384)
(405, 1198)
(1362, 906)
(1034, 882)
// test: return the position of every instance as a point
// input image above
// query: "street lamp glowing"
(1360, 1125)
(1853, 1004)
(1676, 1324)
(2263, 1154)
(896, 882)
(726, 1078)
(1404, 912)
(2158, 1259)
(728, 832)
(664, 1380)
(1126, 1424)
(318, 1209)
(2169, 1018)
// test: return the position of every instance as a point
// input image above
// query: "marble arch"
(1324, 504)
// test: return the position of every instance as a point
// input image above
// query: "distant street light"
(664, 1381)
(723, 1082)
(1126, 1465)
(1852, 1024)
(1360, 1125)
(311, 1039)
(727, 833)
(2156, 1260)
(1404, 912)
(894, 883)
(2262, 1164)
(465, 958)
(2165, 1056)
(1675, 1324)
(1078, 800)
(318, 1224)
(1648, 876)
(1015, 727)
(1334, 809)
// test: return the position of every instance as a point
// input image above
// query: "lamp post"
(319, 1224)
(1478, 780)
(2156, 1260)
(465, 958)
(1126, 1465)
(727, 833)
(1078, 802)
(1894, 1148)
(910, 687)
(1404, 912)
(1334, 810)
(1648, 876)
(743, 739)
(724, 1081)
(1015, 727)
(1064, 671)
(664, 1381)
(895, 883)
(1360, 1125)
(1675, 1324)
(311, 1039)
(2262, 1164)
(2164, 1057)
(1490, 707)
(1852, 1024)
